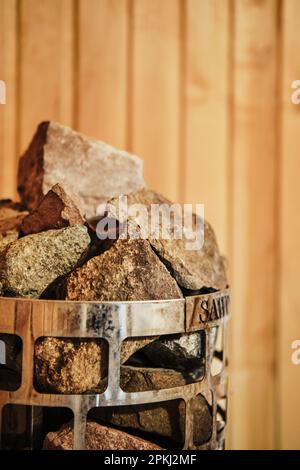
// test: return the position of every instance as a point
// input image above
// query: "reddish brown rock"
(193, 269)
(58, 209)
(93, 169)
(129, 270)
(98, 437)
(70, 366)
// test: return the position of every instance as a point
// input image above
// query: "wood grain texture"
(46, 64)
(102, 69)
(289, 314)
(8, 111)
(155, 92)
(253, 229)
(206, 105)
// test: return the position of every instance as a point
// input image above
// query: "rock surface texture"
(98, 437)
(29, 265)
(76, 366)
(129, 270)
(70, 366)
(93, 169)
(58, 209)
(10, 371)
(193, 269)
(165, 419)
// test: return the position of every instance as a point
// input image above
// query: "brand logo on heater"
(2, 92)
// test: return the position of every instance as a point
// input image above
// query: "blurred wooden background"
(201, 89)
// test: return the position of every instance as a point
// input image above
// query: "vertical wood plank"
(206, 123)
(8, 73)
(253, 229)
(155, 92)
(103, 69)
(46, 39)
(289, 319)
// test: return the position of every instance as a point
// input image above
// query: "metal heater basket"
(114, 322)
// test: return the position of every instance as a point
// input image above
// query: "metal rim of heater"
(31, 319)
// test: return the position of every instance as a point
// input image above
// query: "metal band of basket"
(115, 321)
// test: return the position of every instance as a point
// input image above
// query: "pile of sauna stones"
(50, 249)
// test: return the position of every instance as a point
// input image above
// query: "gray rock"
(29, 265)
(129, 270)
(93, 169)
(184, 352)
(7, 238)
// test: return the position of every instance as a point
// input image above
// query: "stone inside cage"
(70, 365)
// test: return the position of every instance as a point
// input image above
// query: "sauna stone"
(129, 270)
(98, 437)
(165, 419)
(58, 209)
(182, 352)
(93, 169)
(30, 264)
(75, 365)
(70, 366)
(193, 269)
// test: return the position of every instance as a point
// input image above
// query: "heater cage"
(114, 322)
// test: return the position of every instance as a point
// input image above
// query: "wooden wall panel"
(289, 326)
(206, 104)
(253, 268)
(155, 91)
(102, 69)
(8, 73)
(46, 64)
